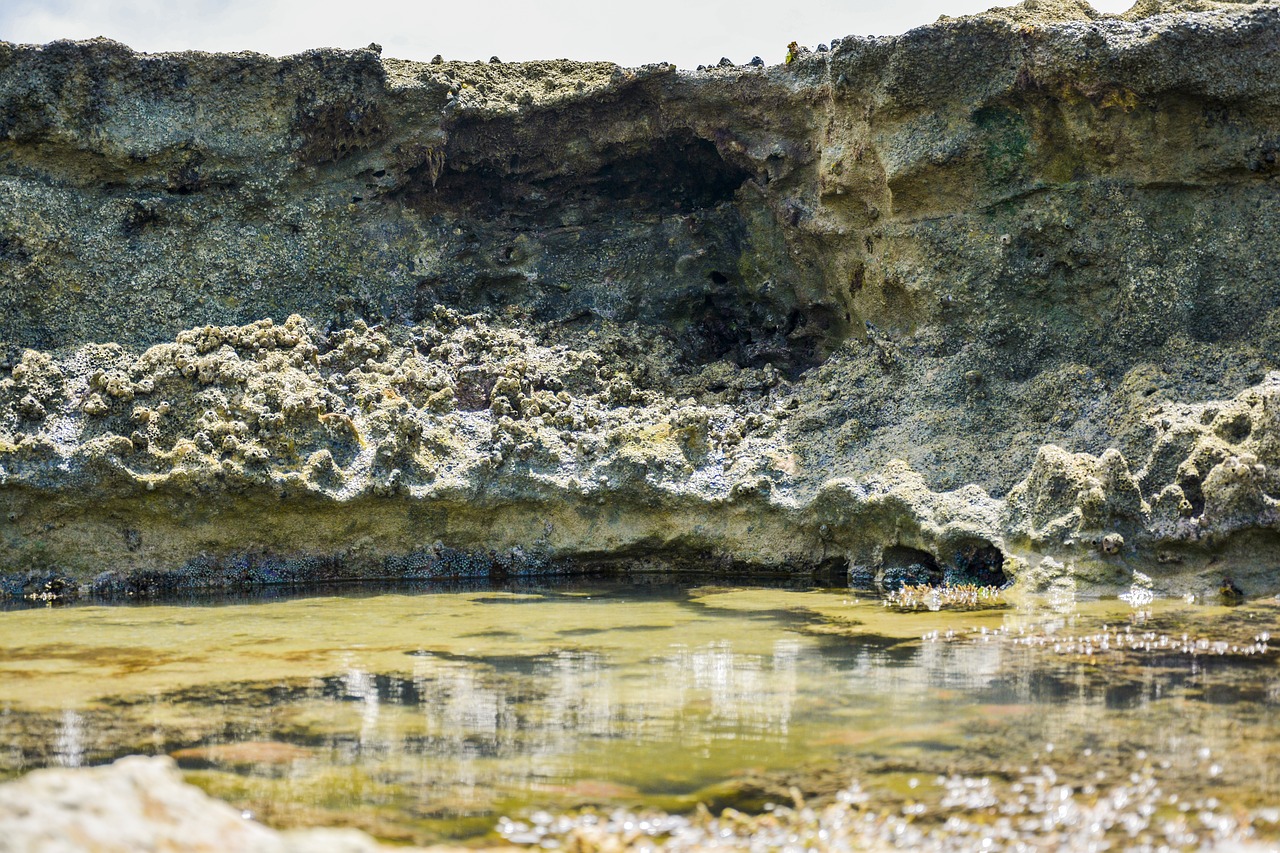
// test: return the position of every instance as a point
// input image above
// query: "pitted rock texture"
(1006, 282)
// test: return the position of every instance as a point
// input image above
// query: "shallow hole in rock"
(976, 561)
(1235, 429)
(832, 572)
(717, 334)
(517, 177)
(722, 324)
(901, 566)
(1193, 491)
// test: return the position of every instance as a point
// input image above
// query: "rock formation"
(141, 803)
(994, 298)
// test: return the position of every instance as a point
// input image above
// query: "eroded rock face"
(1006, 282)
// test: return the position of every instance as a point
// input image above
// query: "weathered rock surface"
(142, 803)
(1007, 282)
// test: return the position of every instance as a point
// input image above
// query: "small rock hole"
(901, 566)
(1235, 429)
(857, 280)
(976, 561)
(832, 572)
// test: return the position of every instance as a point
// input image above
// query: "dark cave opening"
(832, 572)
(642, 229)
(974, 561)
(726, 321)
(978, 562)
(674, 173)
(902, 566)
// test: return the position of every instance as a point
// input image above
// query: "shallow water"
(426, 716)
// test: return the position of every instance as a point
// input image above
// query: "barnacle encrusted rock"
(999, 294)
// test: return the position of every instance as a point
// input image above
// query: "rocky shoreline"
(992, 300)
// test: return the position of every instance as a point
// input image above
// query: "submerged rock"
(1001, 290)
(241, 754)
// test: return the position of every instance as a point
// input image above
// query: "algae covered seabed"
(427, 715)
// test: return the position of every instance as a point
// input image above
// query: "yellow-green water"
(427, 716)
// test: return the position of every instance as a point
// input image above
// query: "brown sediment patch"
(590, 790)
(124, 659)
(252, 753)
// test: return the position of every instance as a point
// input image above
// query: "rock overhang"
(657, 310)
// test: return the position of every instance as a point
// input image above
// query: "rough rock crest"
(998, 294)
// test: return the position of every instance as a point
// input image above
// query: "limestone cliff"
(1003, 289)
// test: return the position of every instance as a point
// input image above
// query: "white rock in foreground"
(141, 803)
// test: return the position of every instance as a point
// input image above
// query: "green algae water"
(429, 716)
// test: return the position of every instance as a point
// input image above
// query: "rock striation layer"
(996, 298)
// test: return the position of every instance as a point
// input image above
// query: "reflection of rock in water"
(69, 749)
(560, 727)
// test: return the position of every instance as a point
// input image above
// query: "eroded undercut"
(665, 213)
(677, 173)
(901, 310)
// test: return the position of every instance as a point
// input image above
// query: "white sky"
(686, 32)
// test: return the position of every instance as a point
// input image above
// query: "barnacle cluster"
(1113, 641)
(1037, 811)
(949, 596)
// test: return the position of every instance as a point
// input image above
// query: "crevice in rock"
(1193, 491)
(832, 572)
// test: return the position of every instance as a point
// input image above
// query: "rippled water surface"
(428, 715)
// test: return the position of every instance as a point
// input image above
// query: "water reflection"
(429, 728)
(540, 718)
(68, 750)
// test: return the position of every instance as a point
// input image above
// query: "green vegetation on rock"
(1005, 282)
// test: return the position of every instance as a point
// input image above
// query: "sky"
(685, 32)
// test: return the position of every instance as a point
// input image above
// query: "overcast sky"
(686, 32)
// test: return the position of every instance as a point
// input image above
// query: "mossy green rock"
(1009, 280)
